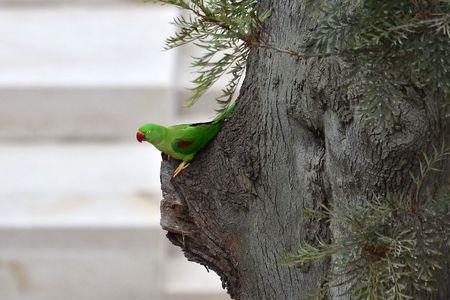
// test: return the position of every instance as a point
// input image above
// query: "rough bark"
(295, 140)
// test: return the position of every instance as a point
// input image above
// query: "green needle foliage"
(397, 50)
(393, 247)
(225, 30)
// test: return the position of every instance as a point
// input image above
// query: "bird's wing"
(189, 139)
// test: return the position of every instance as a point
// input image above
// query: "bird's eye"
(150, 131)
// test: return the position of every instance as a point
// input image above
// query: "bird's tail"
(223, 115)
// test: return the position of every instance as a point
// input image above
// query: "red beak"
(140, 136)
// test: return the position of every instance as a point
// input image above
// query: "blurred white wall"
(79, 197)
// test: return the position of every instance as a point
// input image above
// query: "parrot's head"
(151, 133)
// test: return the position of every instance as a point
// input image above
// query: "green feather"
(185, 140)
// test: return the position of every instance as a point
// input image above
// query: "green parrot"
(182, 141)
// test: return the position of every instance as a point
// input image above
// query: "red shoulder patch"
(183, 143)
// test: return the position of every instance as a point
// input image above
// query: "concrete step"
(76, 45)
(102, 263)
(81, 263)
(79, 184)
(74, 114)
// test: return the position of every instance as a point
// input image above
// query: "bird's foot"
(180, 168)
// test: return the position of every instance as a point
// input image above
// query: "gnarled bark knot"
(187, 228)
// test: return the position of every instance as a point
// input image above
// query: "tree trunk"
(295, 140)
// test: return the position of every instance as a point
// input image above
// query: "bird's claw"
(180, 168)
